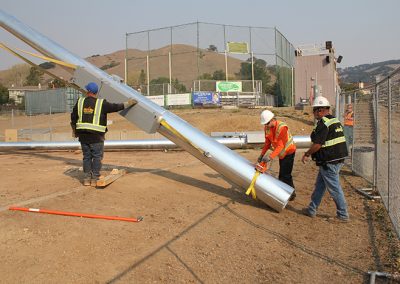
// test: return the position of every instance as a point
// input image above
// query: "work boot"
(293, 196)
(86, 181)
(342, 219)
(307, 212)
(93, 182)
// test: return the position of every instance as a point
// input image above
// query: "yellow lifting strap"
(41, 69)
(176, 132)
(251, 188)
(59, 62)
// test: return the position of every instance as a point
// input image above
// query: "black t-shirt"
(320, 133)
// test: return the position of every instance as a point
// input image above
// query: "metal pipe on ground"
(302, 142)
(157, 144)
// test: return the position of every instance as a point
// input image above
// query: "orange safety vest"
(348, 119)
(272, 134)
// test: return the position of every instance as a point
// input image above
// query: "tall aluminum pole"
(152, 118)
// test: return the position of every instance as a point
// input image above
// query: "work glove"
(129, 103)
(260, 158)
(73, 134)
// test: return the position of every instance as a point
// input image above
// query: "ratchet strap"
(251, 188)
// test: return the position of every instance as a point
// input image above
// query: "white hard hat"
(266, 116)
(321, 101)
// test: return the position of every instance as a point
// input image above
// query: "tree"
(3, 95)
(142, 77)
(260, 72)
(158, 86)
(347, 87)
(205, 76)
(180, 88)
(212, 48)
(219, 75)
(16, 75)
(56, 83)
(34, 77)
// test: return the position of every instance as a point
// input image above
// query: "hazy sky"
(362, 31)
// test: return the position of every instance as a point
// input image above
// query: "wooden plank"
(113, 176)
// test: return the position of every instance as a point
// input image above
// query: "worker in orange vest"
(278, 137)
(348, 124)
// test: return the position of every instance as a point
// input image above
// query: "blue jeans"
(92, 156)
(328, 179)
(348, 133)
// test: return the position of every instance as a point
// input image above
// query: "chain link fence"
(180, 55)
(375, 151)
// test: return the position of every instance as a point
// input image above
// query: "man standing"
(348, 124)
(328, 150)
(278, 137)
(89, 123)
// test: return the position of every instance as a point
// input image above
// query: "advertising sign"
(157, 99)
(179, 99)
(228, 86)
(206, 98)
(238, 47)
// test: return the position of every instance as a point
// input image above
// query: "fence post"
(389, 140)
(12, 118)
(376, 135)
(354, 123)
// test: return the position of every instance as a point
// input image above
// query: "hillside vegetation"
(368, 73)
(185, 65)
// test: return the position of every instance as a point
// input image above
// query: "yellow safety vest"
(328, 122)
(95, 124)
(289, 144)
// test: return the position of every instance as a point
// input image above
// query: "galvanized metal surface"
(145, 144)
(230, 164)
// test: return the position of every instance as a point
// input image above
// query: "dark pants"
(285, 169)
(92, 156)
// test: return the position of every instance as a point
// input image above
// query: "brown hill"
(185, 65)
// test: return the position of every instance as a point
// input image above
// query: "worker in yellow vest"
(89, 123)
(278, 137)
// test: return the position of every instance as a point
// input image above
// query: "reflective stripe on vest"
(289, 141)
(328, 122)
(95, 125)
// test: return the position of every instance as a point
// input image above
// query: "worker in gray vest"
(89, 123)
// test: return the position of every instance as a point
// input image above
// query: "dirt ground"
(197, 226)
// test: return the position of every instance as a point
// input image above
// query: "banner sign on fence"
(206, 98)
(157, 99)
(179, 99)
(238, 47)
(228, 86)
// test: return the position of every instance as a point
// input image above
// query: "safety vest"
(93, 122)
(348, 119)
(334, 147)
(272, 135)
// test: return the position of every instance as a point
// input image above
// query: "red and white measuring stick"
(75, 214)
